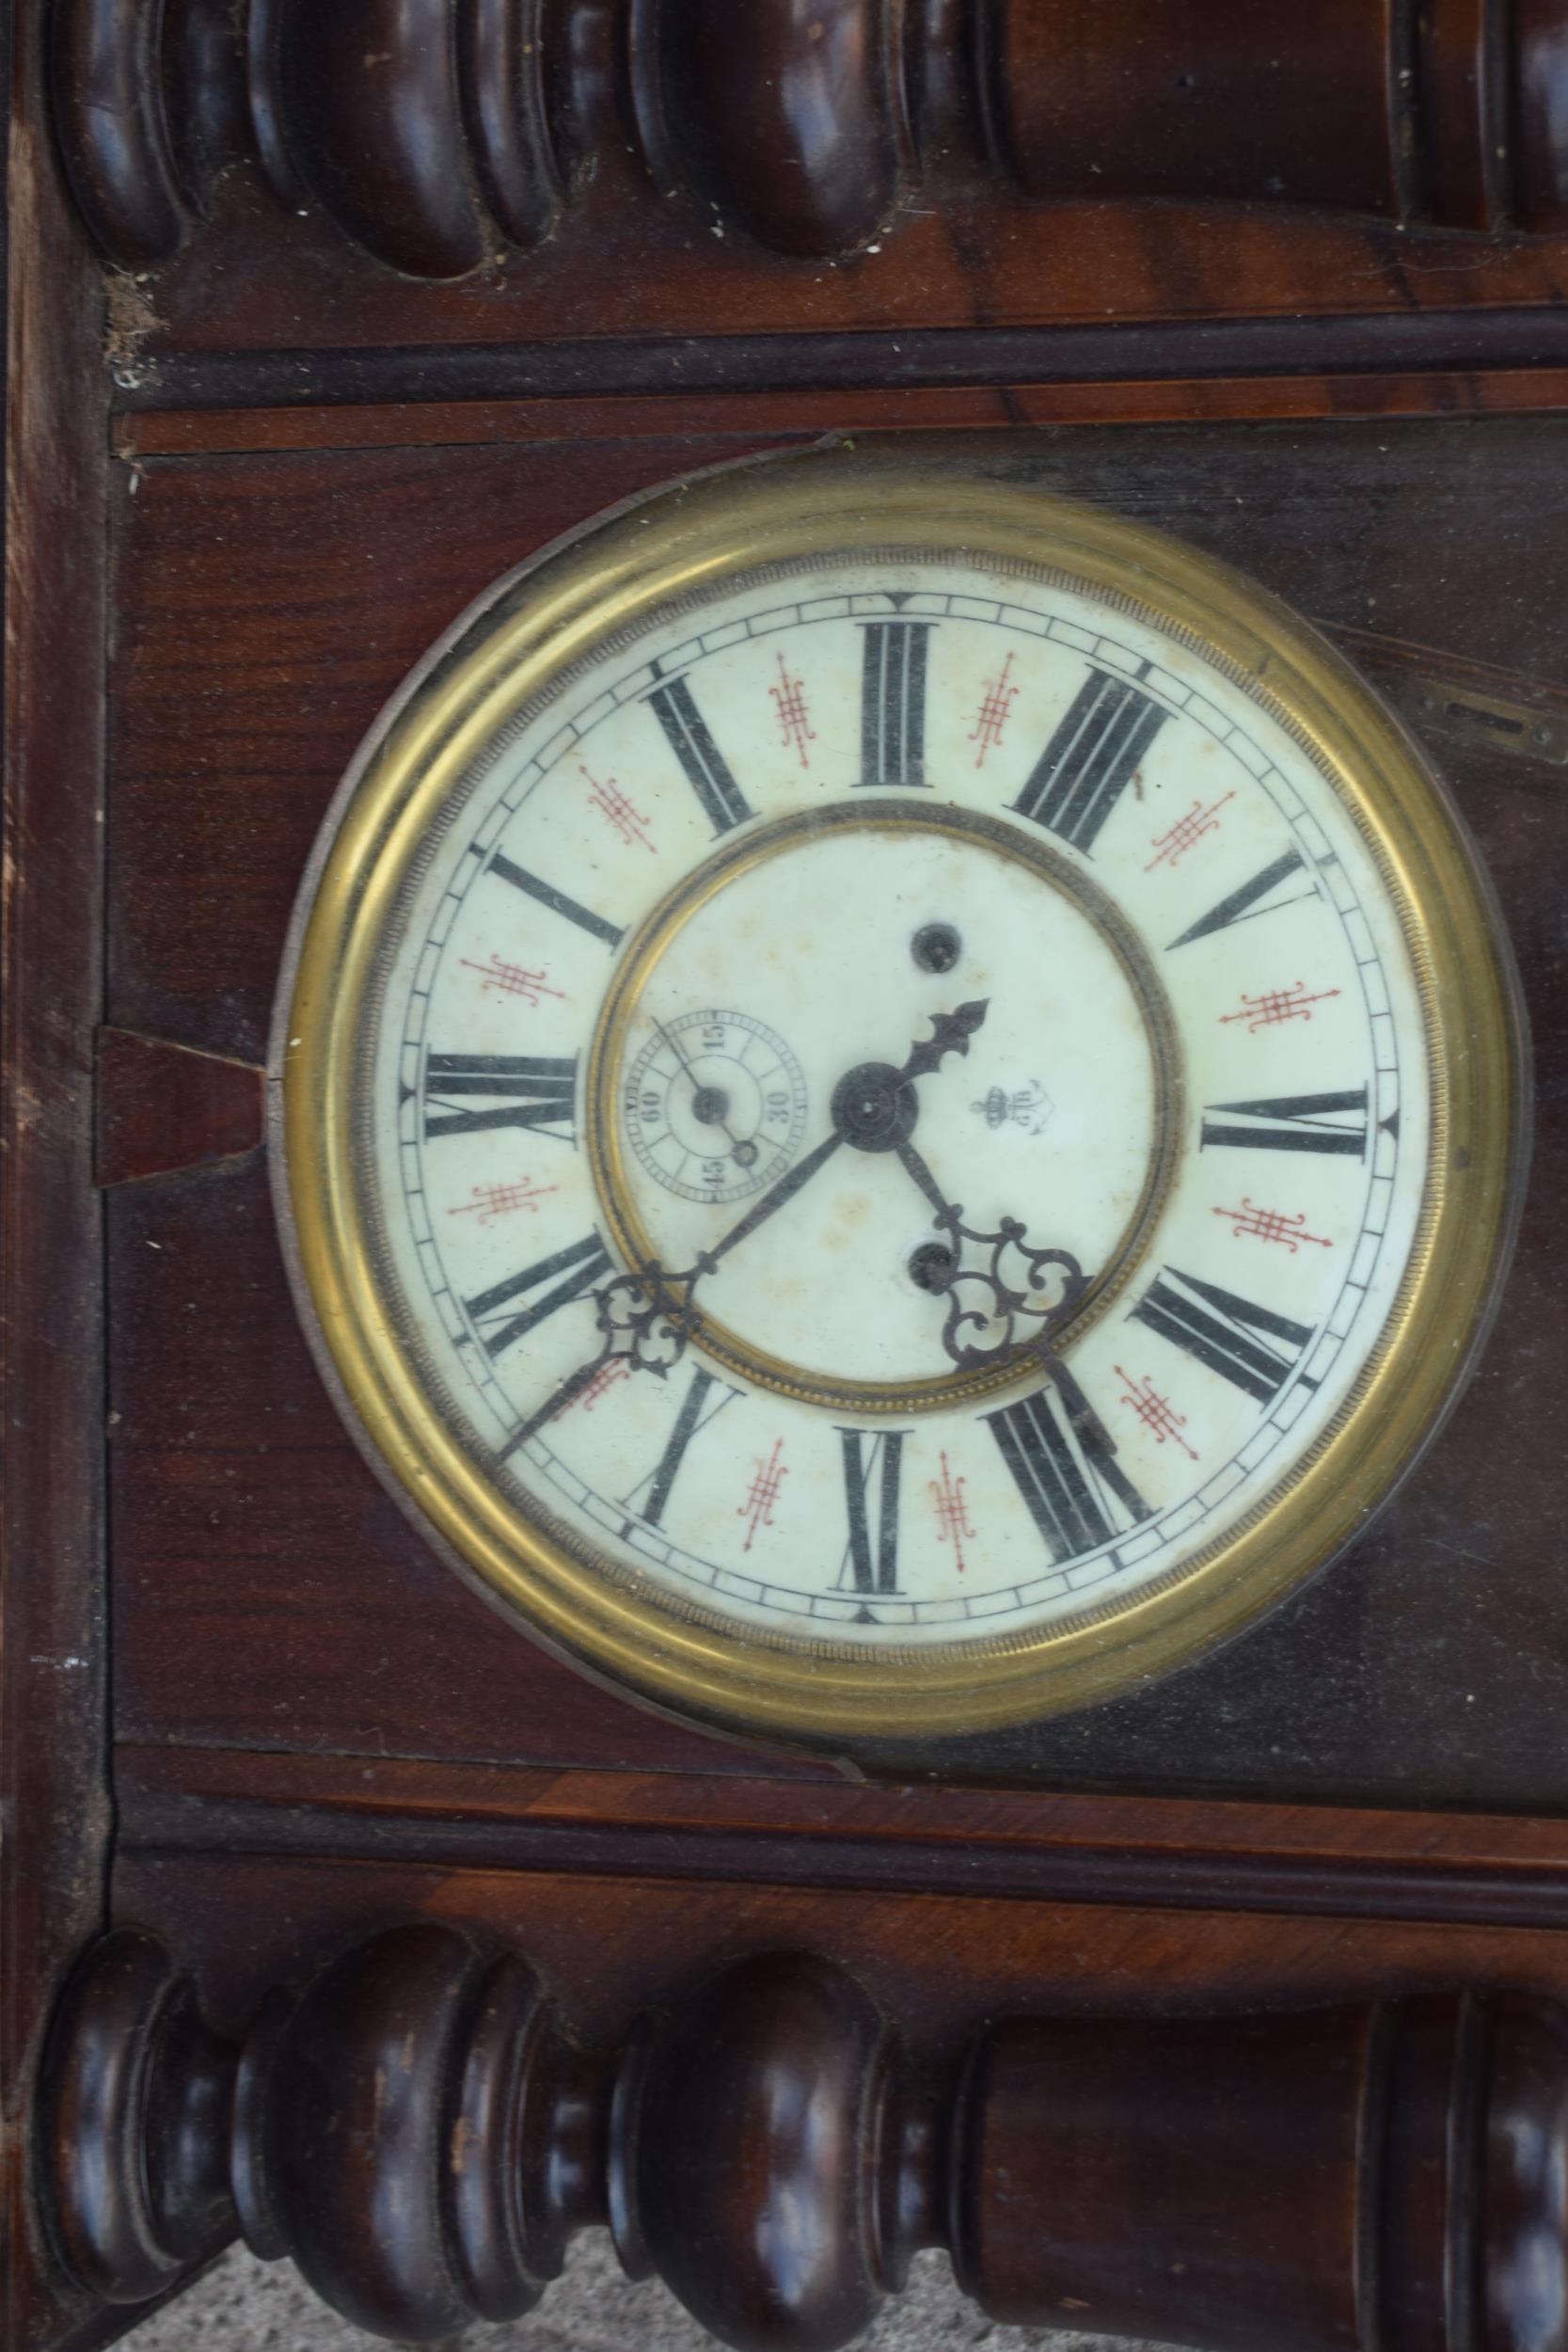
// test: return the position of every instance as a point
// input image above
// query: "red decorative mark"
(613, 804)
(614, 1368)
(1277, 1005)
(492, 1200)
(794, 719)
(1155, 1411)
(991, 717)
(758, 1505)
(1171, 847)
(1272, 1225)
(947, 1492)
(510, 979)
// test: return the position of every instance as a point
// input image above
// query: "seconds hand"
(742, 1153)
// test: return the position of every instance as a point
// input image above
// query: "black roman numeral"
(1091, 759)
(1064, 1466)
(525, 1090)
(706, 770)
(581, 1264)
(1229, 1334)
(872, 1461)
(892, 704)
(698, 1408)
(557, 900)
(1255, 897)
(1292, 1122)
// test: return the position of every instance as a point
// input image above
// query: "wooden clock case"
(1228, 2012)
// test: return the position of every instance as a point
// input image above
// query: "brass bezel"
(534, 627)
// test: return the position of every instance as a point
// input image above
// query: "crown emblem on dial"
(1028, 1106)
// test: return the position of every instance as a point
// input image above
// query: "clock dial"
(892, 1109)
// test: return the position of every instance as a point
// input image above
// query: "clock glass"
(897, 1100)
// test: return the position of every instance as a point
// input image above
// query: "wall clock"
(895, 1104)
(898, 1100)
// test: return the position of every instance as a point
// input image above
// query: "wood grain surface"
(54, 1660)
(396, 293)
(269, 602)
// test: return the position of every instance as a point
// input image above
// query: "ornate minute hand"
(950, 1034)
(647, 1317)
(786, 1189)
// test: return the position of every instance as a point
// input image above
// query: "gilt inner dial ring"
(807, 1180)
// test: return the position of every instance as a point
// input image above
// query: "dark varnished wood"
(423, 2131)
(1542, 108)
(109, 103)
(792, 123)
(163, 1108)
(423, 285)
(53, 1667)
(1461, 65)
(488, 147)
(1024, 1845)
(406, 424)
(781, 2069)
(505, 99)
(1224, 100)
(1097, 364)
(262, 632)
(1061, 2118)
(142, 2110)
(374, 101)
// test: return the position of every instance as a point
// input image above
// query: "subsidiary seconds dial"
(714, 1106)
(904, 1155)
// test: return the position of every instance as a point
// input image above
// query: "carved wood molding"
(421, 2131)
(435, 132)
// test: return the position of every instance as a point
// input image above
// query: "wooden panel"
(267, 1590)
(408, 424)
(268, 609)
(271, 601)
(991, 1842)
(611, 1946)
(54, 1668)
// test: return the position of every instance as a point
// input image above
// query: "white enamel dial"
(897, 1105)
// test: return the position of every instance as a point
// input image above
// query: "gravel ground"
(245, 2306)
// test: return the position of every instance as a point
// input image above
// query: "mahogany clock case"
(266, 1595)
(247, 1710)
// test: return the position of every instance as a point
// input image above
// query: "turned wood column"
(435, 132)
(422, 2133)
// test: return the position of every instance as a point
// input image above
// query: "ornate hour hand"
(1004, 1298)
(999, 1285)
